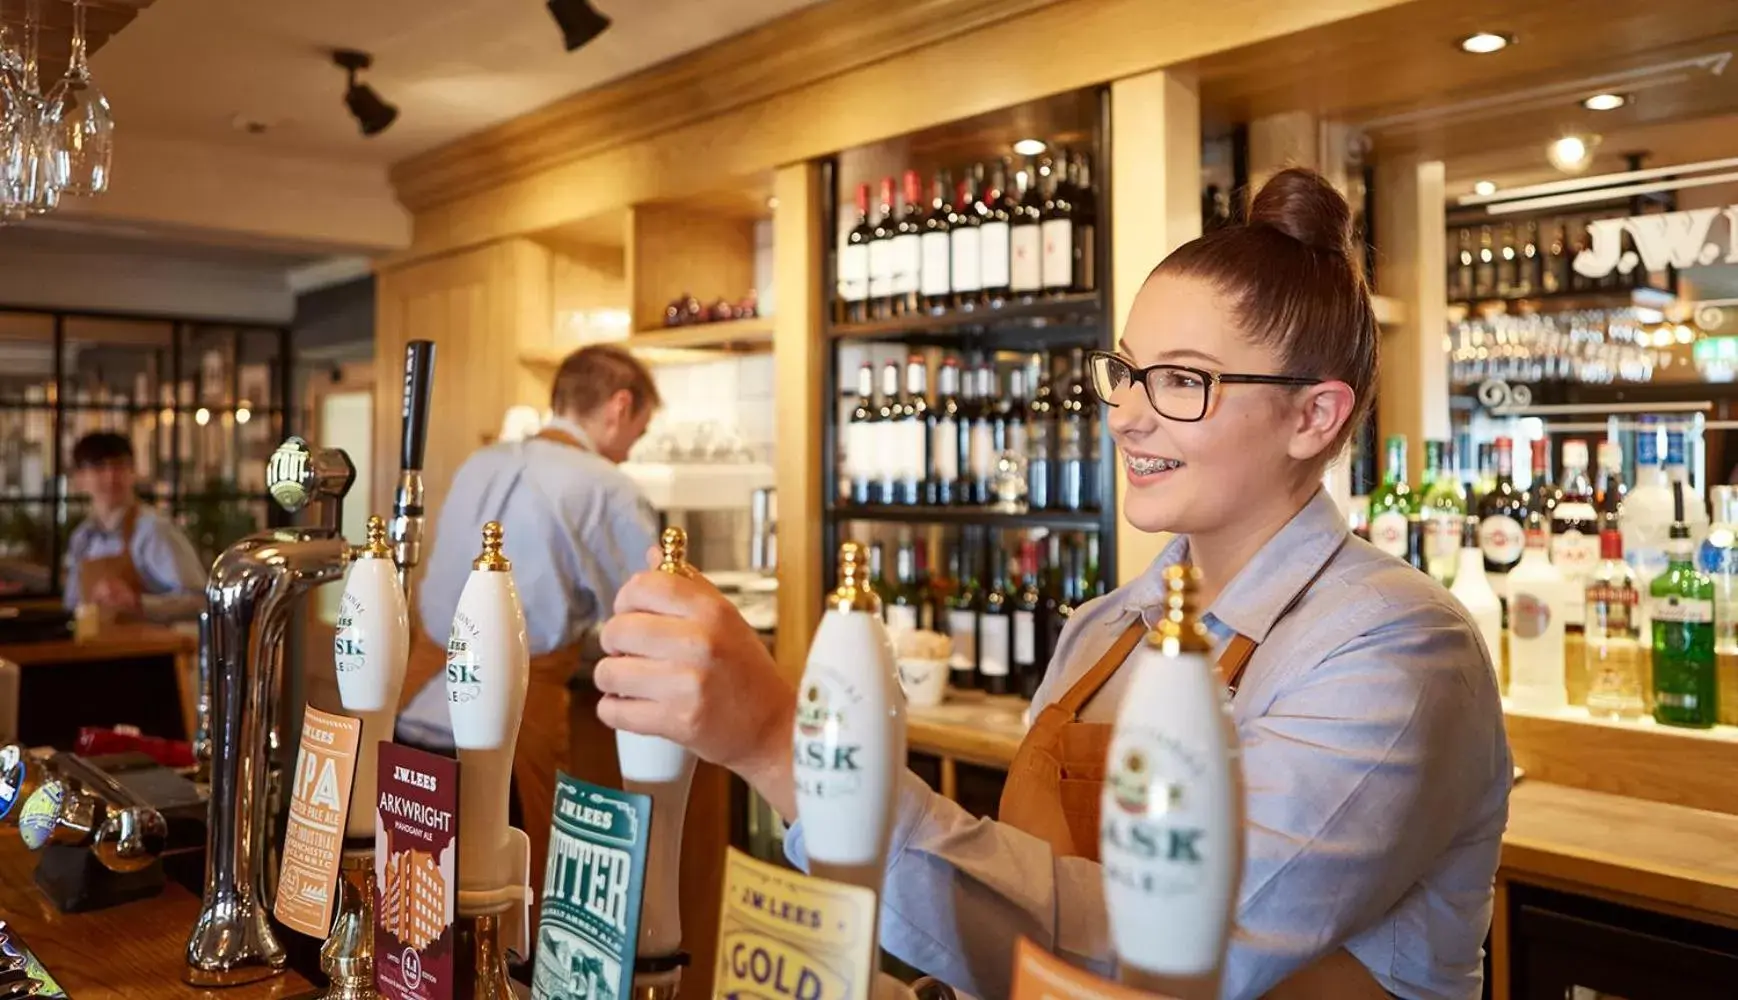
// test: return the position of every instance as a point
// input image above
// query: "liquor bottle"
(993, 209)
(1444, 513)
(1612, 489)
(995, 633)
(1677, 471)
(1072, 430)
(908, 251)
(965, 236)
(903, 597)
(1484, 272)
(1507, 261)
(1487, 474)
(881, 255)
(1646, 519)
(962, 618)
(849, 739)
(1501, 512)
(944, 436)
(1718, 557)
(1392, 502)
(1173, 779)
(1542, 494)
(1682, 615)
(854, 264)
(1575, 543)
(1085, 225)
(1056, 222)
(1460, 277)
(1612, 664)
(1472, 588)
(861, 455)
(935, 281)
(1028, 608)
(1025, 238)
(1538, 602)
(986, 423)
(1529, 265)
(889, 418)
(1040, 437)
(914, 458)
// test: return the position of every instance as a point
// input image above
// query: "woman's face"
(1202, 476)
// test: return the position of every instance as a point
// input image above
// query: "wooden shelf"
(676, 345)
(979, 516)
(1068, 312)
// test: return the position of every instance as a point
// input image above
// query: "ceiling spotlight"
(1485, 42)
(1572, 153)
(1605, 102)
(1030, 147)
(371, 112)
(579, 21)
(1484, 188)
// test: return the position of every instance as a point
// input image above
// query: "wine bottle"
(854, 264)
(965, 235)
(1057, 607)
(1085, 226)
(889, 416)
(944, 436)
(985, 424)
(1056, 222)
(908, 251)
(962, 618)
(1026, 241)
(936, 281)
(993, 209)
(861, 456)
(1575, 544)
(903, 598)
(876, 579)
(1393, 502)
(927, 615)
(1485, 268)
(1028, 604)
(970, 405)
(881, 255)
(1040, 437)
(1444, 513)
(995, 636)
(914, 433)
(1542, 494)
(1071, 433)
(1501, 512)
(1507, 262)
(1015, 435)
(1528, 266)
(1460, 284)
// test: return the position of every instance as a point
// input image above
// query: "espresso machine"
(253, 589)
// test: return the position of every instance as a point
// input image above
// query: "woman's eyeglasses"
(1177, 392)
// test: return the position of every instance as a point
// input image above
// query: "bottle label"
(962, 627)
(1501, 540)
(1684, 610)
(1058, 269)
(967, 245)
(1025, 637)
(1611, 610)
(1718, 556)
(860, 451)
(934, 255)
(1529, 615)
(1442, 540)
(1388, 533)
(1575, 553)
(915, 450)
(854, 273)
(993, 654)
(945, 450)
(901, 618)
(993, 255)
(907, 262)
(880, 269)
(1026, 269)
(983, 457)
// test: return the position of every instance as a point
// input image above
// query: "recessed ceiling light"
(1605, 102)
(1569, 154)
(1485, 187)
(1030, 147)
(1485, 42)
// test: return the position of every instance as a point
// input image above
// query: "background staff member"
(575, 528)
(1376, 768)
(126, 557)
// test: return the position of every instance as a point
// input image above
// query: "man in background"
(126, 558)
(575, 528)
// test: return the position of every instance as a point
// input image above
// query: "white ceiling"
(186, 69)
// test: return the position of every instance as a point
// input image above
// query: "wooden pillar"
(1155, 207)
(1412, 395)
(798, 356)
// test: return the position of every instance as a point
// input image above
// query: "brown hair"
(1296, 286)
(589, 376)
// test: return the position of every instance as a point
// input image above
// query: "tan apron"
(119, 567)
(1053, 794)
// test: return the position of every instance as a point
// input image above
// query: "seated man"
(125, 557)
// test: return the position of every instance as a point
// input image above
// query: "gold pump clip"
(376, 547)
(491, 558)
(855, 592)
(674, 545)
(1181, 630)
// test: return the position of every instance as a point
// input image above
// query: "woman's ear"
(1325, 408)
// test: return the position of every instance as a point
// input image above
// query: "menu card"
(1039, 975)
(592, 885)
(319, 807)
(786, 934)
(416, 849)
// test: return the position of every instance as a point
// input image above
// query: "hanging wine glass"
(85, 136)
(36, 163)
(11, 118)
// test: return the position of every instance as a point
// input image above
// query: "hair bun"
(1301, 204)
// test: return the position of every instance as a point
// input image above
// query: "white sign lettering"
(1676, 239)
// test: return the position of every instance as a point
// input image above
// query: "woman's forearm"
(769, 771)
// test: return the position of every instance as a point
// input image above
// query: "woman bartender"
(1376, 766)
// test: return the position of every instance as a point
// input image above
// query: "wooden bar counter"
(129, 952)
(112, 644)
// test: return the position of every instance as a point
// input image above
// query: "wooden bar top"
(130, 952)
(985, 730)
(112, 642)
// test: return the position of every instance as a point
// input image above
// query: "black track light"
(580, 22)
(371, 112)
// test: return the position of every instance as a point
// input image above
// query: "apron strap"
(1077, 696)
(1234, 660)
(559, 436)
(129, 524)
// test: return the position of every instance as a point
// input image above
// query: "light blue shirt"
(1377, 779)
(575, 528)
(170, 569)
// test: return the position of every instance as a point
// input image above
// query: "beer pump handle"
(407, 511)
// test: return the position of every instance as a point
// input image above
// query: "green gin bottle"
(1392, 502)
(1443, 511)
(1683, 632)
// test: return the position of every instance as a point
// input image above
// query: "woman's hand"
(682, 664)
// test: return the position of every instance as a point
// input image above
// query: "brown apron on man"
(119, 567)
(1053, 794)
